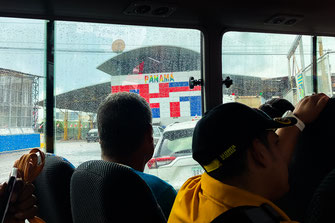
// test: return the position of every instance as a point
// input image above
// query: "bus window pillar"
(211, 52)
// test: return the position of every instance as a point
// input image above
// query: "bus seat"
(52, 189)
(106, 192)
(313, 159)
(321, 208)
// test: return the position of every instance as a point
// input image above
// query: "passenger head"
(276, 107)
(233, 140)
(124, 124)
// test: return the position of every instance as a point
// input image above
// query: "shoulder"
(155, 182)
(148, 177)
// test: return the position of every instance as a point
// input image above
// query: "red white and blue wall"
(169, 95)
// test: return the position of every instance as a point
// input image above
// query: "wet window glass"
(94, 60)
(266, 66)
(22, 72)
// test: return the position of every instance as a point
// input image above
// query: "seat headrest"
(52, 189)
(321, 207)
(104, 191)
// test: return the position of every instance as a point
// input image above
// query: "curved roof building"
(147, 60)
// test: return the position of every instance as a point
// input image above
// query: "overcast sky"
(81, 47)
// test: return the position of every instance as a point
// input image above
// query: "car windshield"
(176, 143)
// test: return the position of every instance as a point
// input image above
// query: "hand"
(22, 204)
(309, 108)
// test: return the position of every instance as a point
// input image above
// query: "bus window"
(265, 66)
(22, 53)
(93, 60)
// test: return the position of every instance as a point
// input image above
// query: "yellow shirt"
(202, 198)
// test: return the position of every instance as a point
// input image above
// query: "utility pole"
(325, 82)
(293, 75)
(79, 126)
(297, 42)
(91, 121)
(66, 116)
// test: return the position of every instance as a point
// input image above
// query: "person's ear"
(149, 134)
(259, 153)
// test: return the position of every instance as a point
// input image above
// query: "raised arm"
(307, 110)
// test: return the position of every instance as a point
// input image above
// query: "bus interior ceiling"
(311, 18)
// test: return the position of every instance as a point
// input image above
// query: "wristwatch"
(299, 124)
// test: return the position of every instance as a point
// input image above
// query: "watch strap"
(300, 124)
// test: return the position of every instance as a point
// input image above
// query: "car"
(172, 160)
(157, 133)
(92, 135)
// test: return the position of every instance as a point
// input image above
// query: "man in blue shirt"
(126, 137)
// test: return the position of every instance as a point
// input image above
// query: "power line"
(188, 45)
(89, 44)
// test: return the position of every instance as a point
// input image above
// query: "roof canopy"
(15, 73)
(155, 59)
(85, 99)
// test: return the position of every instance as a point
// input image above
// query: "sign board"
(168, 94)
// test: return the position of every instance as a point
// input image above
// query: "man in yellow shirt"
(245, 160)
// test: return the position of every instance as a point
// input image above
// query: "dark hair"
(123, 120)
(236, 165)
(276, 107)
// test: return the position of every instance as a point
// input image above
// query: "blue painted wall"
(17, 142)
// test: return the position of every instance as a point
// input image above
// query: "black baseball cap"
(276, 107)
(225, 130)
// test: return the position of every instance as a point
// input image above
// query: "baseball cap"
(276, 107)
(226, 129)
